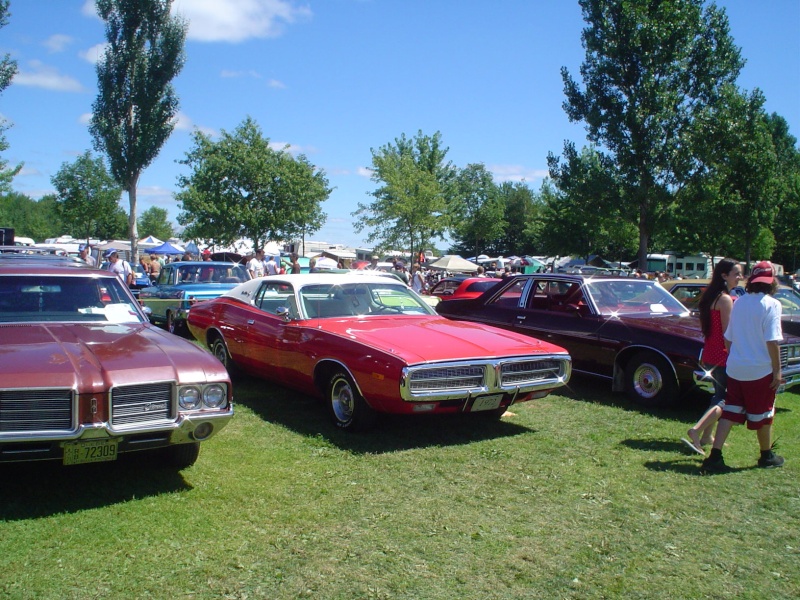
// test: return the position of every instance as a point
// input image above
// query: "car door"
(558, 311)
(270, 339)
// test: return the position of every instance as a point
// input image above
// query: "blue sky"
(335, 78)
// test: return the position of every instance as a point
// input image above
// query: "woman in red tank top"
(715, 312)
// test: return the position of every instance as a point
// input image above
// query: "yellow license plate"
(78, 453)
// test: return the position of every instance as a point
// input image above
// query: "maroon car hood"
(93, 357)
(682, 326)
(425, 339)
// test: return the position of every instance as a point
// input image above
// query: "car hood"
(668, 325)
(427, 339)
(93, 357)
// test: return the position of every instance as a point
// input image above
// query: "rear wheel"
(650, 381)
(349, 410)
(220, 350)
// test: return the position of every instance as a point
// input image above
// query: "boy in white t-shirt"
(753, 340)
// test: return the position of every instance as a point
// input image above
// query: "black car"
(630, 331)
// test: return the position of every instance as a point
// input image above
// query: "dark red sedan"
(452, 288)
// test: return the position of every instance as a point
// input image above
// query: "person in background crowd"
(400, 270)
(418, 283)
(206, 254)
(271, 267)
(754, 368)
(85, 251)
(481, 271)
(373, 264)
(256, 264)
(122, 268)
(715, 307)
(295, 268)
(155, 267)
(312, 266)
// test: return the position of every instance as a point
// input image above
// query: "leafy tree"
(8, 68)
(88, 198)
(411, 205)
(522, 210)
(584, 217)
(154, 222)
(241, 187)
(136, 104)
(650, 68)
(741, 169)
(30, 218)
(477, 212)
(787, 233)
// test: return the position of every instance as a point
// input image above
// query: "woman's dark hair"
(762, 288)
(712, 291)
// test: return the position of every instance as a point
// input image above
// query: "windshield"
(29, 298)
(211, 273)
(633, 297)
(360, 299)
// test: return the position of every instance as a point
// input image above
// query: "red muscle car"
(84, 377)
(368, 344)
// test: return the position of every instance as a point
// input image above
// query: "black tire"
(650, 381)
(182, 455)
(349, 410)
(169, 325)
(220, 350)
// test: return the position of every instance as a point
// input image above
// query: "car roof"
(304, 279)
(21, 264)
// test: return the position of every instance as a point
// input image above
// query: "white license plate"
(487, 402)
(77, 453)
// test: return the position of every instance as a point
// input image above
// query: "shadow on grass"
(39, 489)
(684, 467)
(585, 388)
(309, 417)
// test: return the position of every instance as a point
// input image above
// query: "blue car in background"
(180, 285)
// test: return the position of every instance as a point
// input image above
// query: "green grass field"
(578, 495)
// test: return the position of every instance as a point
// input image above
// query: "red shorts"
(751, 401)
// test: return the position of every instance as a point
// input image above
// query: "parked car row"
(87, 377)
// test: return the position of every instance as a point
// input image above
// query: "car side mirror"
(284, 313)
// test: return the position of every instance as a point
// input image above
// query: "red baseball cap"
(762, 273)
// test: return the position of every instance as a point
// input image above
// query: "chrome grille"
(790, 355)
(447, 378)
(149, 403)
(35, 410)
(528, 371)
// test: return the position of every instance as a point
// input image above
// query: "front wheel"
(349, 410)
(182, 455)
(650, 381)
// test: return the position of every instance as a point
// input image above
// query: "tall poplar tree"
(649, 67)
(133, 115)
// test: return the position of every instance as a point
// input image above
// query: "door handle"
(250, 321)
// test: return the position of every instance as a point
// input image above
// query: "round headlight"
(214, 395)
(189, 398)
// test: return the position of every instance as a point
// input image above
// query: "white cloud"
(89, 9)
(236, 74)
(292, 149)
(238, 20)
(57, 43)
(364, 172)
(43, 76)
(93, 54)
(184, 123)
(29, 172)
(278, 85)
(85, 119)
(516, 173)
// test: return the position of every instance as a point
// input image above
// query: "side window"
(165, 277)
(273, 295)
(512, 295)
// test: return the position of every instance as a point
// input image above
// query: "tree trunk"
(134, 232)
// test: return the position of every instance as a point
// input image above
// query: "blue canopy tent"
(165, 248)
